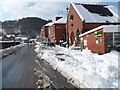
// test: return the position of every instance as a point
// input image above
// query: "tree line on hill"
(30, 26)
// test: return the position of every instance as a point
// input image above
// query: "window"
(100, 40)
(98, 34)
(71, 17)
(71, 25)
(77, 36)
(113, 39)
(85, 42)
(117, 39)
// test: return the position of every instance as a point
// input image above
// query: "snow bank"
(83, 68)
(12, 47)
(9, 50)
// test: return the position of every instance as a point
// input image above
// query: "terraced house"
(45, 31)
(57, 30)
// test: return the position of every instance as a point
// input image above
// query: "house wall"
(60, 31)
(89, 26)
(92, 44)
(77, 22)
(43, 31)
(52, 33)
(46, 31)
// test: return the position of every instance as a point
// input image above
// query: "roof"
(59, 21)
(92, 13)
(106, 28)
(48, 24)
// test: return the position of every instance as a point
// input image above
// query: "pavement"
(5, 52)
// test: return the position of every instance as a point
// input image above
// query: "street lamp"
(67, 9)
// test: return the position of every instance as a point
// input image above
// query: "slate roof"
(92, 13)
(98, 9)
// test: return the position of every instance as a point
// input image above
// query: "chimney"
(58, 18)
(49, 20)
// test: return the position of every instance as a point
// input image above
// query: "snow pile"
(7, 51)
(12, 47)
(83, 68)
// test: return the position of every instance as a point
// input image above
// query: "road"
(17, 69)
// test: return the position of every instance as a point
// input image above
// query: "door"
(72, 38)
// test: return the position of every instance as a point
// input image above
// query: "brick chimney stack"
(49, 20)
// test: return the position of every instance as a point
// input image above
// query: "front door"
(72, 38)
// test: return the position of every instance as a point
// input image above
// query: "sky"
(45, 9)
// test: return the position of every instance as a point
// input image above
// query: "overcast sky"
(45, 9)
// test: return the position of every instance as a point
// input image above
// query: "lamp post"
(67, 9)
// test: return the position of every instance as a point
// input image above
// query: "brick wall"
(52, 33)
(57, 32)
(60, 32)
(46, 31)
(98, 47)
(77, 22)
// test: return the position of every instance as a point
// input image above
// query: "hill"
(30, 26)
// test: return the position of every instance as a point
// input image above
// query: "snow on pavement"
(8, 50)
(83, 68)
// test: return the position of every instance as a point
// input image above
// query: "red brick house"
(101, 39)
(57, 31)
(84, 17)
(44, 31)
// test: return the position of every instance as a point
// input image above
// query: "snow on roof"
(106, 28)
(77, 11)
(91, 13)
(59, 21)
(111, 28)
(49, 24)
